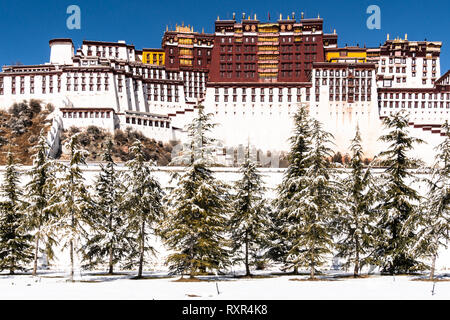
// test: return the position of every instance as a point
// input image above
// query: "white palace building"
(252, 75)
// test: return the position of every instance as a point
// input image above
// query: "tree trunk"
(312, 272)
(295, 270)
(247, 267)
(36, 252)
(356, 271)
(111, 265)
(142, 249)
(111, 248)
(72, 224)
(433, 267)
(12, 265)
(192, 271)
(71, 260)
(11, 268)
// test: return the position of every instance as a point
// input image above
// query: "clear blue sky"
(26, 26)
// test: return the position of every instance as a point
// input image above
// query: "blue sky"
(26, 26)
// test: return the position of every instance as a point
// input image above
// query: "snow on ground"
(49, 286)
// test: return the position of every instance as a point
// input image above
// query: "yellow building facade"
(347, 54)
(153, 56)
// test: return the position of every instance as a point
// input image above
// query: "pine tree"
(356, 224)
(15, 248)
(107, 241)
(283, 243)
(195, 226)
(39, 199)
(249, 218)
(434, 216)
(73, 201)
(311, 208)
(142, 206)
(400, 201)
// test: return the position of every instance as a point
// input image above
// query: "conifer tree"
(249, 218)
(434, 216)
(107, 242)
(195, 226)
(73, 201)
(15, 248)
(142, 206)
(312, 207)
(283, 240)
(356, 223)
(400, 201)
(39, 199)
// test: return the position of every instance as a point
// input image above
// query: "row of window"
(86, 114)
(343, 73)
(404, 95)
(423, 104)
(261, 90)
(337, 82)
(402, 60)
(348, 97)
(229, 40)
(261, 98)
(148, 123)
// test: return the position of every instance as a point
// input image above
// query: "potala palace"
(252, 75)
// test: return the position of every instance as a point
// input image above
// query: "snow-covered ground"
(159, 287)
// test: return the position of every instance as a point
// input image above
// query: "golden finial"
(255, 16)
(218, 18)
(303, 14)
(203, 30)
(387, 36)
(288, 17)
(334, 31)
(406, 36)
(234, 16)
(293, 15)
(243, 15)
(318, 16)
(167, 27)
(281, 16)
